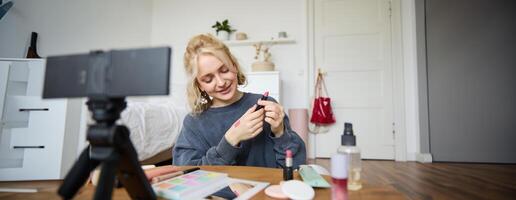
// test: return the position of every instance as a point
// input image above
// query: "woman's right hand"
(247, 127)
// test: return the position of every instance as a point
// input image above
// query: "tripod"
(111, 148)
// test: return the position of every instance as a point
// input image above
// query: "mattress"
(154, 126)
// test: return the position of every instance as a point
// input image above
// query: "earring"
(203, 99)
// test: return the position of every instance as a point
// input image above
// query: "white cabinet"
(259, 82)
(38, 137)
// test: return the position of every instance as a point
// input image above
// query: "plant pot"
(241, 36)
(223, 35)
(260, 66)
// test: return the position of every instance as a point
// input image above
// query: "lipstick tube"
(287, 170)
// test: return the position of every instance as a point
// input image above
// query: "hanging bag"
(322, 113)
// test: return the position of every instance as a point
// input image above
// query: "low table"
(47, 189)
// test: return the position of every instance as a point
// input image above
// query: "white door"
(352, 40)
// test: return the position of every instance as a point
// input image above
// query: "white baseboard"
(424, 157)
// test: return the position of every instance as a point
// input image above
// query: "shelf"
(262, 72)
(251, 42)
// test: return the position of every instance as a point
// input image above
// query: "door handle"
(28, 147)
(32, 109)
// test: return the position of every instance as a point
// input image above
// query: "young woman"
(224, 127)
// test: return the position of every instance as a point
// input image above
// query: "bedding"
(154, 126)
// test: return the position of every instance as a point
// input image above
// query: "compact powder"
(275, 191)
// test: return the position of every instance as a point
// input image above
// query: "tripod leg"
(107, 178)
(78, 175)
(130, 172)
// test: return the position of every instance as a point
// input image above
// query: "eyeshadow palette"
(194, 185)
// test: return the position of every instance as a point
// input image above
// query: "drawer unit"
(38, 137)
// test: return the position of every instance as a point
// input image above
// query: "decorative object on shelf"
(223, 29)
(4, 8)
(241, 36)
(282, 34)
(32, 51)
(263, 58)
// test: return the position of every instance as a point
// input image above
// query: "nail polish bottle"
(287, 170)
(339, 177)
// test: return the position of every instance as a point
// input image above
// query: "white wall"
(74, 26)
(66, 27)
(79, 26)
(174, 22)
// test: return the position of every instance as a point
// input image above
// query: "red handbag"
(322, 113)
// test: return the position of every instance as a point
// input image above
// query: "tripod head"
(103, 134)
(106, 110)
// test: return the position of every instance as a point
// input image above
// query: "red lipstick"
(264, 97)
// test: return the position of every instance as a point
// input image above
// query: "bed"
(154, 125)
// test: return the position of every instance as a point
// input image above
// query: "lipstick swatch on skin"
(236, 124)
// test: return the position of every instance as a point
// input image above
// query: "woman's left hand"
(274, 116)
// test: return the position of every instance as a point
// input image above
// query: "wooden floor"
(440, 180)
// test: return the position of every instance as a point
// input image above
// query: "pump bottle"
(348, 147)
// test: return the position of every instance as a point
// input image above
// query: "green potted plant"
(223, 29)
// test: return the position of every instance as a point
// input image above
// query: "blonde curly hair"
(205, 44)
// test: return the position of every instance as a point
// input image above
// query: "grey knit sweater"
(202, 142)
